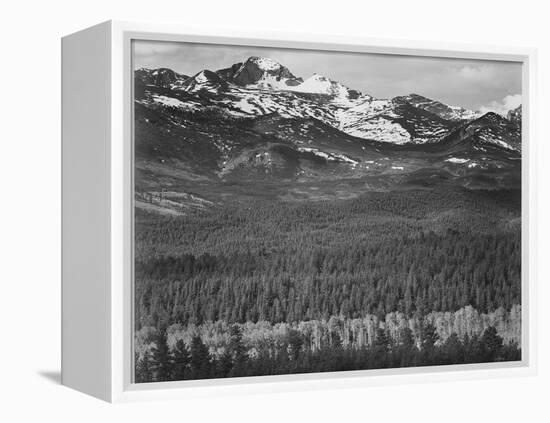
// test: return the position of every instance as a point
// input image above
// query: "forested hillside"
(331, 274)
(301, 261)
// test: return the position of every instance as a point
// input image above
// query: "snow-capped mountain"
(256, 121)
(260, 72)
(261, 86)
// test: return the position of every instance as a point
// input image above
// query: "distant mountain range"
(256, 120)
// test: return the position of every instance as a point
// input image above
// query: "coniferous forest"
(394, 279)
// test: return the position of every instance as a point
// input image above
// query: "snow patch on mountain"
(490, 138)
(457, 160)
(266, 63)
(201, 78)
(270, 82)
(328, 156)
(318, 84)
(169, 101)
(379, 129)
(364, 107)
(163, 100)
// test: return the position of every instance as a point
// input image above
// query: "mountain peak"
(264, 63)
(491, 116)
(206, 76)
(203, 80)
(263, 72)
(491, 119)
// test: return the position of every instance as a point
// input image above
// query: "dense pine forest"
(404, 253)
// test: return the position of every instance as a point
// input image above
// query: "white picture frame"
(97, 227)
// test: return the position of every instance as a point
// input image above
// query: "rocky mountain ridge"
(260, 86)
(256, 121)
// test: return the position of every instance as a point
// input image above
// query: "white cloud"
(478, 73)
(152, 48)
(503, 106)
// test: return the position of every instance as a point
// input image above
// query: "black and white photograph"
(309, 211)
(233, 212)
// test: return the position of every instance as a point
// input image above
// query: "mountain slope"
(261, 86)
(161, 77)
(257, 129)
(489, 130)
(437, 108)
(205, 80)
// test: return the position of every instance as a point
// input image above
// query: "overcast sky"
(474, 84)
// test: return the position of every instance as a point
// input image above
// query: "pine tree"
(224, 366)
(237, 350)
(181, 360)
(406, 351)
(491, 344)
(200, 359)
(161, 358)
(236, 345)
(453, 350)
(428, 339)
(380, 349)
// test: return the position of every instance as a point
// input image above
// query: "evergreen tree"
(428, 339)
(200, 359)
(181, 360)
(381, 349)
(236, 346)
(161, 358)
(491, 344)
(405, 352)
(453, 350)
(224, 366)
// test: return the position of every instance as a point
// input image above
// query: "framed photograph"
(292, 212)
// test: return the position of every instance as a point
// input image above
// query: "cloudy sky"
(474, 84)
